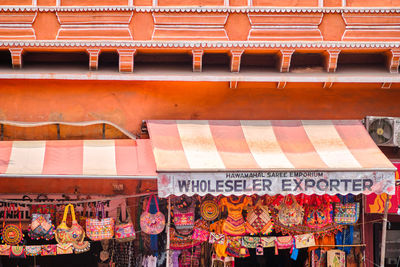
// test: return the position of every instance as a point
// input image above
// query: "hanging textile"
(234, 224)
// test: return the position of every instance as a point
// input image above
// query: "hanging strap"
(99, 206)
(155, 200)
(12, 209)
(64, 220)
(6, 209)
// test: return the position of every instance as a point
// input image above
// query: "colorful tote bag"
(346, 213)
(65, 249)
(152, 224)
(258, 219)
(200, 234)
(235, 247)
(100, 229)
(49, 250)
(216, 238)
(124, 231)
(336, 258)
(5, 250)
(81, 247)
(209, 210)
(73, 234)
(304, 241)
(17, 252)
(268, 241)
(12, 234)
(290, 212)
(33, 250)
(251, 241)
(283, 242)
(318, 216)
(41, 227)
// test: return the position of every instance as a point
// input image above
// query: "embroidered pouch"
(152, 224)
(283, 242)
(346, 213)
(41, 227)
(258, 219)
(5, 250)
(304, 241)
(290, 212)
(17, 252)
(124, 231)
(33, 250)
(251, 241)
(209, 210)
(73, 234)
(268, 241)
(49, 250)
(235, 247)
(217, 238)
(81, 247)
(318, 216)
(65, 248)
(12, 234)
(200, 234)
(100, 229)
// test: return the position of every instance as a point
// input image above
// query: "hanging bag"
(290, 212)
(216, 238)
(283, 242)
(124, 231)
(5, 250)
(33, 250)
(65, 249)
(318, 217)
(12, 234)
(17, 252)
(346, 213)
(41, 227)
(152, 224)
(100, 229)
(49, 250)
(81, 247)
(44, 209)
(304, 241)
(73, 234)
(209, 210)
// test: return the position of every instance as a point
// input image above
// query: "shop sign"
(110, 206)
(272, 183)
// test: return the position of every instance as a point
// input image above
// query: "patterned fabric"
(5, 250)
(235, 247)
(304, 241)
(65, 249)
(290, 212)
(17, 252)
(12, 234)
(209, 210)
(179, 241)
(184, 217)
(41, 227)
(33, 250)
(251, 241)
(268, 242)
(73, 234)
(124, 231)
(200, 234)
(49, 250)
(318, 216)
(336, 258)
(100, 229)
(318, 258)
(283, 242)
(346, 213)
(190, 258)
(259, 220)
(152, 224)
(234, 224)
(81, 247)
(217, 238)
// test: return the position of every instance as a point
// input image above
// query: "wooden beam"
(16, 57)
(331, 59)
(126, 59)
(236, 56)
(197, 60)
(285, 58)
(93, 58)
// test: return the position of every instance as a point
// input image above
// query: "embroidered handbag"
(346, 213)
(216, 238)
(258, 219)
(5, 250)
(49, 250)
(12, 234)
(318, 216)
(17, 252)
(44, 209)
(184, 218)
(304, 241)
(73, 234)
(209, 210)
(268, 241)
(33, 250)
(100, 229)
(251, 241)
(283, 242)
(235, 247)
(200, 234)
(41, 227)
(81, 247)
(290, 212)
(124, 231)
(152, 224)
(65, 248)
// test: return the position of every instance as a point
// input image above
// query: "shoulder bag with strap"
(152, 224)
(347, 213)
(124, 231)
(12, 234)
(100, 229)
(73, 234)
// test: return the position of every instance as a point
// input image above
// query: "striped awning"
(319, 148)
(77, 159)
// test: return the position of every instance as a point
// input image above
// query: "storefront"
(307, 176)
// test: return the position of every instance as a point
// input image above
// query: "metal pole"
(384, 224)
(363, 229)
(168, 233)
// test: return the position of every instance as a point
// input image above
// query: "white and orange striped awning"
(77, 158)
(210, 146)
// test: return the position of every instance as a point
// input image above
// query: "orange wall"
(128, 103)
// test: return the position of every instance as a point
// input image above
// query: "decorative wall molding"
(331, 59)
(93, 58)
(285, 58)
(197, 60)
(16, 57)
(243, 9)
(16, 25)
(126, 59)
(393, 60)
(236, 56)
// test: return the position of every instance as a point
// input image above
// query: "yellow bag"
(73, 234)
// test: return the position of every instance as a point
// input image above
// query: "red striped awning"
(320, 146)
(77, 158)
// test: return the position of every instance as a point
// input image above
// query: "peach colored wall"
(128, 103)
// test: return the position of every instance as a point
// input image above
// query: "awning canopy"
(268, 157)
(78, 159)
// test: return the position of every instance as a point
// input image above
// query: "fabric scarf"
(345, 237)
(153, 238)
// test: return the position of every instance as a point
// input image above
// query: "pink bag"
(97, 229)
(152, 224)
(200, 234)
(283, 242)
